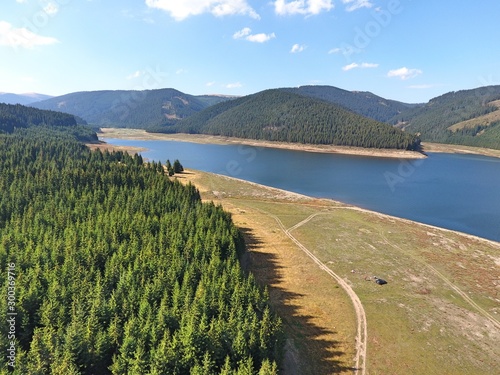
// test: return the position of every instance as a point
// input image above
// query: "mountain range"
(470, 117)
(24, 99)
(129, 108)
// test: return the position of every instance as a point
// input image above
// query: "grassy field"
(485, 120)
(438, 314)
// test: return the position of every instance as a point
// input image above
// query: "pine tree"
(178, 166)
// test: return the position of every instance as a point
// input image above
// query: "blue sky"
(407, 50)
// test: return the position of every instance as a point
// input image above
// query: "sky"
(406, 50)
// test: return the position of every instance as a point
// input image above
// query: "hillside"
(110, 267)
(360, 102)
(14, 117)
(129, 108)
(278, 115)
(468, 117)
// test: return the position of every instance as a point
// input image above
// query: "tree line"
(19, 117)
(120, 270)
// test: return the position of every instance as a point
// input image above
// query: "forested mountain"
(109, 267)
(160, 110)
(278, 115)
(157, 108)
(17, 116)
(361, 102)
(129, 108)
(23, 99)
(442, 118)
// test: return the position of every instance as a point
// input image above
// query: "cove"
(452, 191)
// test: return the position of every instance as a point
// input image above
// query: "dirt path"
(362, 331)
(464, 295)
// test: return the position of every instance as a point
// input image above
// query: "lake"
(453, 191)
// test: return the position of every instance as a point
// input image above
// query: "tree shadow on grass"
(306, 350)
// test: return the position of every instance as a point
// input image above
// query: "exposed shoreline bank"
(138, 134)
(459, 149)
(291, 196)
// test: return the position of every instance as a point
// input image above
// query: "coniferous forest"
(113, 268)
(277, 115)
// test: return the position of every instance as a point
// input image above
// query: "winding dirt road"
(362, 333)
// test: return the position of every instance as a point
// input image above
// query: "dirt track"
(294, 286)
(362, 330)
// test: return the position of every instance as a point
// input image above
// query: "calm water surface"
(459, 192)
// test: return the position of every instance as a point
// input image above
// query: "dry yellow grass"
(459, 149)
(437, 315)
(485, 120)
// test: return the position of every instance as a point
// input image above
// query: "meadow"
(437, 314)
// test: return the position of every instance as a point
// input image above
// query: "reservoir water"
(453, 191)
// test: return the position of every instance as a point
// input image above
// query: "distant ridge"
(361, 102)
(24, 99)
(130, 108)
(468, 117)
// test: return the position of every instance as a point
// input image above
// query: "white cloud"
(368, 65)
(404, 73)
(360, 66)
(246, 33)
(182, 9)
(242, 33)
(349, 67)
(296, 48)
(22, 37)
(335, 50)
(210, 84)
(260, 38)
(234, 85)
(352, 5)
(304, 7)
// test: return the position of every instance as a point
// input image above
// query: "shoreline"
(459, 149)
(139, 134)
(136, 134)
(291, 196)
(437, 278)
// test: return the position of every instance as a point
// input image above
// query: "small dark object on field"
(381, 281)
